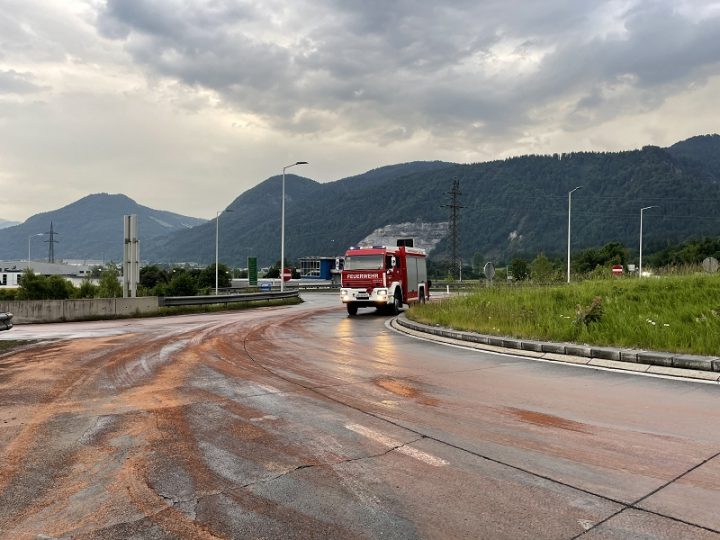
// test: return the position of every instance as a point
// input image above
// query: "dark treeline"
(585, 262)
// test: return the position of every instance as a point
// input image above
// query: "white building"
(10, 271)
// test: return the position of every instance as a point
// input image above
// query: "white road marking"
(399, 446)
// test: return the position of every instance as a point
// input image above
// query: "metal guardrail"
(168, 301)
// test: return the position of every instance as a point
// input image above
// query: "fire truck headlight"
(382, 292)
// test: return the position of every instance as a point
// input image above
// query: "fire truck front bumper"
(376, 297)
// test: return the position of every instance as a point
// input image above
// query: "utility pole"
(51, 242)
(454, 207)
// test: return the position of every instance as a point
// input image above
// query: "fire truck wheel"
(352, 309)
(396, 305)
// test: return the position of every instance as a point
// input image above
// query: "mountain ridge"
(90, 228)
(511, 207)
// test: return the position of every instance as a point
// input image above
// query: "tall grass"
(678, 314)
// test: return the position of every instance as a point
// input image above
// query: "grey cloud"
(12, 82)
(171, 19)
(375, 65)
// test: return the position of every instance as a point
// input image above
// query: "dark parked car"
(5, 321)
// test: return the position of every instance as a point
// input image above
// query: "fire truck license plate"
(363, 295)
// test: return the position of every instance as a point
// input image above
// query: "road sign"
(252, 271)
(265, 286)
(617, 269)
(710, 264)
(489, 270)
(287, 274)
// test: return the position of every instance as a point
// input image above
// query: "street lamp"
(29, 237)
(217, 245)
(282, 225)
(641, 235)
(569, 222)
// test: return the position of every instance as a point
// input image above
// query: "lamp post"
(29, 238)
(217, 245)
(282, 225)
(641, 237)
(569, 223)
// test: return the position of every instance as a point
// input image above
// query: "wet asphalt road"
(303, 423)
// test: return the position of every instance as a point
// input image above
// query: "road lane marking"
(389, 442)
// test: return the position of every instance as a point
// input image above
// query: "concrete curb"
(661, 363)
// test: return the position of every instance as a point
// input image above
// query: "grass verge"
(676, 314)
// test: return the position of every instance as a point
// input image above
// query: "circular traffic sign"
(489, 270)
(287, 274)
(710, 264)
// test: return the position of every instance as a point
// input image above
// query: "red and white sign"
(617, 269)
(287, 274)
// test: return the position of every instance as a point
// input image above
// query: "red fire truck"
(384, 277)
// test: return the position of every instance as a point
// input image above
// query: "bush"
(590, 314)
(182, 284)
(86, 290)
(109, 286)
(37, 287)
(8, 294)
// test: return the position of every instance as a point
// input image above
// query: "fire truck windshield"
(364, 262)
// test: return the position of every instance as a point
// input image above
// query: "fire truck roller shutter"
(412, 277)
(422, 277)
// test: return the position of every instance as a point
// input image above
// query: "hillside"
(4, 223)
(91, 228)
(513, 207)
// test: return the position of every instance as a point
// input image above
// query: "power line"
(51, 242)
(454, 207)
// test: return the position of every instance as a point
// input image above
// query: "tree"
(37, 287)
(182, 284)
(612, 253)
(152, 275)
(32, 286)
(206, 278)
(86, 290)
(541, 269)
(519, 269)
(59, 288)
(477, 262)
(273, 272)
(109, 286)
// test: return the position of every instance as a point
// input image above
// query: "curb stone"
(683, 365)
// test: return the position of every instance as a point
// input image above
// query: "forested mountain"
(701, 152)
(512, 207)
(91, 228)
(516, 207)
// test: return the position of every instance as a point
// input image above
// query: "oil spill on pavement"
(404, 388)
(547, 420)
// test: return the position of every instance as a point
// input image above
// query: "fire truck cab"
(384, 277)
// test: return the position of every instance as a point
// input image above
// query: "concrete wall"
(133, 306)
(33, 311)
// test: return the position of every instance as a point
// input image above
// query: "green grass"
(676, 314)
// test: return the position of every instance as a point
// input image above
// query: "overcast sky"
(184, 104)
